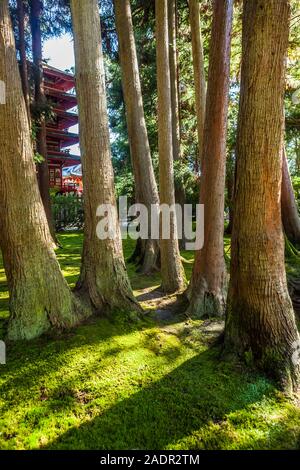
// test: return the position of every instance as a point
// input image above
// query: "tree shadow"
(200, 391)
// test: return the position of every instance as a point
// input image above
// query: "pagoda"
(59, 88)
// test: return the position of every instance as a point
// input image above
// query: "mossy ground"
(122, 384)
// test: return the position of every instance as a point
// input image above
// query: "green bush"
(67, 211)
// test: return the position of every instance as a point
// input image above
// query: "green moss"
(127, 384)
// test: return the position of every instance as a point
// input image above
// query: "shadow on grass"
(200, 391)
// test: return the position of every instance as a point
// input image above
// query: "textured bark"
(23, 58)
(230, 173)
(207, 291)
(39, 295)
(173, 60)
(40, 102)
(171, 267)
(289, 209)
(199, 73)
(180, 196)
(103, 280)
(146, 187)
(260, 322)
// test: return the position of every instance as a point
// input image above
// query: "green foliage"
(186, 178)
(38, 158)
(124, 186)
(41, 111)
(296, 186)
(67, 211)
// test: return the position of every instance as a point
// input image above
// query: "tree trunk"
(260, 322)
(171, 267)
(289, 209)
(180, 196)
(103, 279)
(172, 28)
(40, 104)
(39, 295)
(230, 173)
(199, 73)
(23, 58)
(146, 188)
(207, 291)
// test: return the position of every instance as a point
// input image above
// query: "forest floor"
(156, 383)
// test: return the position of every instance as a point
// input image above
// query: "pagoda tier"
(60, 139)
(57, 79)
(63, 119)
(61, 100)
(59, 88)
(64, 158)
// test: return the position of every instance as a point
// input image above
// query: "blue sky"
(60, 52)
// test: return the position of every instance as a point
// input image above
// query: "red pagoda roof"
(58, 85)
(63, 100)
(63, 119)
(63, 138)
(63, 158)
(58, 79)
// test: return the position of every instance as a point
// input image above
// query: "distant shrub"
(67, 210)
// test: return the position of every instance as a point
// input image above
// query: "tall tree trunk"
(199, 73)
(23, 58)
(40, 104)
(172, 29)
(230, 173)
(103, 279)
(180, 196)
(146, 188)
(39, 295)
(171, 267)
(207, 291)
(260, 320)
(289, 209)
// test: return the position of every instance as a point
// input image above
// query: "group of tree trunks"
(39, 294)
(260, 321)
(146, 191)
(103, 278)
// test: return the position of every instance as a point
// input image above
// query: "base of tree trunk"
(174, 285)
(106, 290)
(265, 349)
(204, 303)
(54, 308)
(146, 256)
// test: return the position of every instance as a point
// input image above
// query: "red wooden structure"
(59, 88)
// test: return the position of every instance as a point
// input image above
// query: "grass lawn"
(157, 383)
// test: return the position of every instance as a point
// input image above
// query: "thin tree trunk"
(180, 196)
(260, 321)
(39, 295)
(40, 104)
(146, 188)
(23, 58)
(207, 291)
(199, 73)
(171, 267)
(289, 209)
(103, 278)
(230, 191)
(172, 28)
